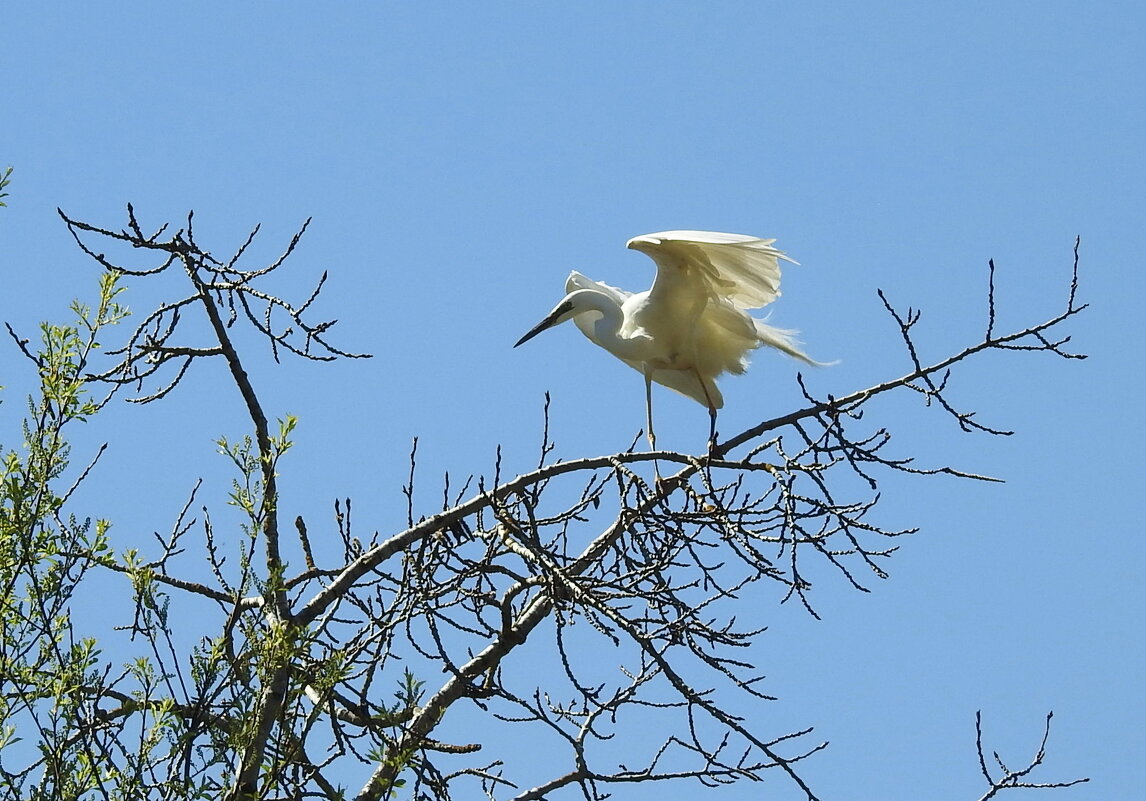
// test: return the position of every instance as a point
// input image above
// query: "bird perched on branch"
(693, 324)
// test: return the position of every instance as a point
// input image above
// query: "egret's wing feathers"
(744, 270)
(724, 328)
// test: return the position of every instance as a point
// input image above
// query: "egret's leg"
(649, 421)
(649, 410)
(711, 429)
(711, 414)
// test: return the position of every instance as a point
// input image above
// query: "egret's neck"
(603, 326)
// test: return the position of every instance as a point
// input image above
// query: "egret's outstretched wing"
(711, 279)
(744, 270)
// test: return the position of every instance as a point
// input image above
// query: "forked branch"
(1008, 779)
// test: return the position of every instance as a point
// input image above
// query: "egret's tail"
(785, 339)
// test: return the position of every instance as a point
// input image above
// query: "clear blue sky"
(459, 159)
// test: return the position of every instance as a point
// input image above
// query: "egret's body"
(693, 324)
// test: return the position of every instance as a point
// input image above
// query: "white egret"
(692, 325)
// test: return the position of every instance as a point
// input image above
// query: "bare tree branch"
(1011, 779)
(380, 653)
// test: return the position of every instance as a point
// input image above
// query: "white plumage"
(693, 324)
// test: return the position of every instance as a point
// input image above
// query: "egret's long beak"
(551, 320)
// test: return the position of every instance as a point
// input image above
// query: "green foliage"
(248, 492)
(233, 711)
(46, 666)
(5, 179)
